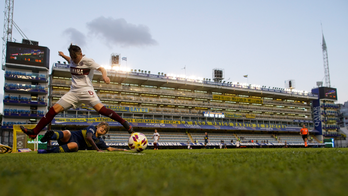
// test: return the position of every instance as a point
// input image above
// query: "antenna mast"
(326, 62)
(8, 25)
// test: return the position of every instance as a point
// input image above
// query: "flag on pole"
(245, 76)
(124, 58)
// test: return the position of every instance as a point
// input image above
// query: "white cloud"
(120, 32)
(75, 37)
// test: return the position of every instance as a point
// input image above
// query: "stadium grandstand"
(182, 109)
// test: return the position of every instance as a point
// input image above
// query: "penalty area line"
(132, 153)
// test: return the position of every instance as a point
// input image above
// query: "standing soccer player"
(81, 91)
(206, 139)
(304, 132)
(155, 137)
(189, 145)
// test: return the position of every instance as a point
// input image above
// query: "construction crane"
(326, 63)
(7, 31)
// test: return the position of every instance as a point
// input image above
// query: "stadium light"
(107, 67)
(116, 68)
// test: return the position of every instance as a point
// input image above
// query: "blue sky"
(271, 40)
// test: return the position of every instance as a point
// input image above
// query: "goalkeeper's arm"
(115, 149)
(90, 140)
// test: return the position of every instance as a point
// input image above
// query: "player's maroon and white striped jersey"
(82, 73)
(156, 136)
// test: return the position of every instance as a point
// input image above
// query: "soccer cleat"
(29, 132)
(48, 135)
(45, 151)
(128, 127)
(42, 151)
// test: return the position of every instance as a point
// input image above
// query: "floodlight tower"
(115, 60)
(218, 75)
(326, 63)
(8, 25)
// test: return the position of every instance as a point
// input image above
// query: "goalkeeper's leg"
(69, 147)
(62, 136)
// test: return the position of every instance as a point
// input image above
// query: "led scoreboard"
(27, 54)
(328, 93)
(325, 93)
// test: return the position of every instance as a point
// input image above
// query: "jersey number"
(91, 92)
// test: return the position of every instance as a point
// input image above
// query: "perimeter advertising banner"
(237, 99)
(121, 108)
(149, 123)
(317, 116)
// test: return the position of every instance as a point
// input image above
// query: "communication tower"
(7, 31)
(326, 63)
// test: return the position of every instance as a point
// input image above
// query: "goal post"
(20, 139)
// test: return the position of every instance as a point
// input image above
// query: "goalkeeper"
(89, 139)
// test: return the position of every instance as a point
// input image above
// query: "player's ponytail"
(74, 50)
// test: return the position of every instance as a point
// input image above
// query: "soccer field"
(292, 171)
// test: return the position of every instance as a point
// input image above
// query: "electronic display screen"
(328, 93)
(27, 54)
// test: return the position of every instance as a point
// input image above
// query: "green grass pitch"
(278, 171)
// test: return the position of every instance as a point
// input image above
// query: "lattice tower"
(7, 31)
(326, 64)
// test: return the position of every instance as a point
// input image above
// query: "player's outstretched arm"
(90, 140)
(116, 149)
(104, 75)
(67, 58)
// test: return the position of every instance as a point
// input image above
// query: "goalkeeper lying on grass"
(89, 139)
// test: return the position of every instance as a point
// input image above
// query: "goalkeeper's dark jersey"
(80, 137)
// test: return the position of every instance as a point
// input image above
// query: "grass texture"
(272, 171)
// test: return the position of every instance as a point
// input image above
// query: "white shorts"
(74, 98)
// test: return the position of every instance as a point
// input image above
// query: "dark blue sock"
(62, 148)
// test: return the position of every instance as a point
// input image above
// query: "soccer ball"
(137, 142)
